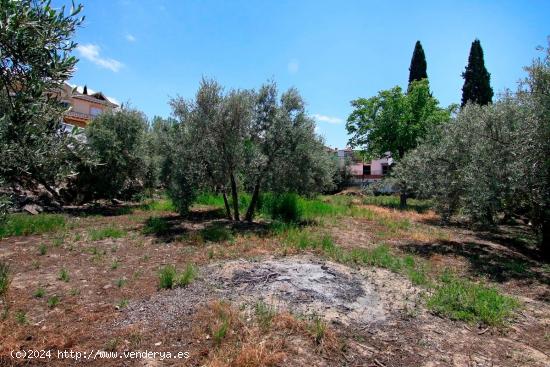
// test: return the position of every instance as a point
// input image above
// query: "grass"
(53, 301)
(21, 318)
(20, 224)
(461, 299)
(216, 233)
(160, 205)
(170, 278)
(264, 314)
(64, 275)
(98, 234)
(219, 332)
(42, 249)
(122, 303)
(4, 278)
(39, 293)
(156, 226)
(120, 282)
(318, 329)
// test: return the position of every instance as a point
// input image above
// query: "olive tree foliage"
(246, 140)
(118, 142)
(491, 162)
(35, 51)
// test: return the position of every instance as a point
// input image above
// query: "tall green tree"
(394, 121)
(477, 80)
(417, 70)
(35, 59)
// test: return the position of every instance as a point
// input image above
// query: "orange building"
(84, 104)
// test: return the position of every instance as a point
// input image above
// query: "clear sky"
(145, 52)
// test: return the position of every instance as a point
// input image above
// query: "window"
(94, 111)
(366, 170)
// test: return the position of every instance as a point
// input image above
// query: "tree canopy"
(417, 70)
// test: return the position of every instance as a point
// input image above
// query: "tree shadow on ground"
(499, 265)
(101, 210)
(202, 224)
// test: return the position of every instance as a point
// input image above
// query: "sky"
(146, 52)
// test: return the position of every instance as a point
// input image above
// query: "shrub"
(187, 276)
(467, 301)
(20, 224)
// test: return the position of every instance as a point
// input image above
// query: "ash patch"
(303, 285)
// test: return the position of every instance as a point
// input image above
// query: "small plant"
(283, 207)
(40, 292)
(122, 304)
(318, 329)
(219, 333)
(53, 301)
(107, 232)
(187, 276)
(4, 278)
(264, 314)
(35, 264)
(57, 242)
(42, 249)
(115, 264)
(64, 275)
(167, 277)
(120, 282)
(21, 317)
(210, 253)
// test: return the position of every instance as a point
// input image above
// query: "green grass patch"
(53, 301)
(264, 314)
(39, 293)
(64, 275)
(156, 226)
(170, 278)
(20, 224)
(160, 205)
(98, 234)
(461, 299)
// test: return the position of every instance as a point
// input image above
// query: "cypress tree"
(417, 70)
(477, 80)
(85, 91)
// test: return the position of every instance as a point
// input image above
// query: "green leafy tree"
(394, 122)
(35, 48)
(477, 80)
(117, 139)
(417, 70)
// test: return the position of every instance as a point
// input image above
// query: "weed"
(21, 318)
(64, 275)
(120, 282)
(57, 242)
(35, 264)
(167, 277)
(464, 300)
(107, 232)
(20, 224)
(115, 264)
(42, 249)
(265, 314)
(219, 333)
(40, 292)
(187, 276)
(53, 301)
(318, 329)
(122, 304)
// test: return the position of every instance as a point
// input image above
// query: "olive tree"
(35, 50)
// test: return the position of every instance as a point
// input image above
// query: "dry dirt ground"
(255, 303)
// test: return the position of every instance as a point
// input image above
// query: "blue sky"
(145, 52)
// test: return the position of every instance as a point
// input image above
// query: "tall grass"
(20, 224)
(464, 300)
(98, 234)
(392, 201)
(4, 278)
